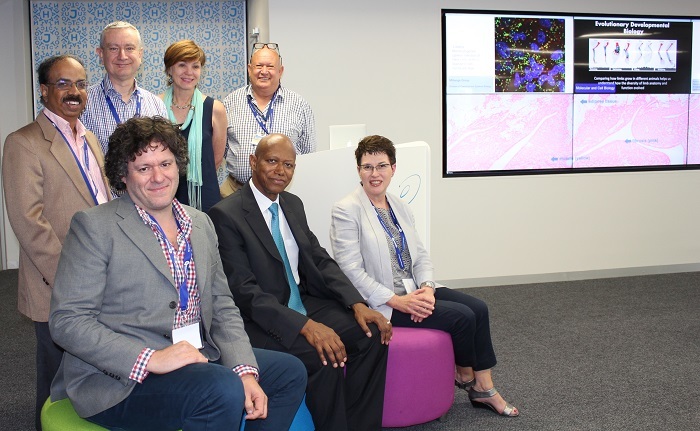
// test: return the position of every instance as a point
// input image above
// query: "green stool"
(60, 416)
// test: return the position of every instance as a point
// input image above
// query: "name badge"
(189, 333)
(409, 284)
(256, 139)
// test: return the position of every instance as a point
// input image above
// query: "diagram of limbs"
(632, 53)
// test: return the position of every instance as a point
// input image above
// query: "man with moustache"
(51, 169)
(118, 96)
(294, 298)
(260, 108)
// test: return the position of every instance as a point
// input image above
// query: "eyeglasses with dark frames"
(269, 45)
(64, 84)
(257, 46)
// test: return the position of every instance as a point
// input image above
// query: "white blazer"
(360, 247)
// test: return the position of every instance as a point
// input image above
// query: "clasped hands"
(328, 344)
(183, 353)
(419, 304)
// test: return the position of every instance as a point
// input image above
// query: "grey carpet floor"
(608, 354)
(17, 366)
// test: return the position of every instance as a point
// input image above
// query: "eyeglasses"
(257, 46)
(269, 45)
(63, 84)
(382, 167)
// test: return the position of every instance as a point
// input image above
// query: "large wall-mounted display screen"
(552, 93)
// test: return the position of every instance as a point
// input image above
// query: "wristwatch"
(430, 284)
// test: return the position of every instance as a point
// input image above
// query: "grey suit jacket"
(43, 189)
(360, 247)
(114, 296)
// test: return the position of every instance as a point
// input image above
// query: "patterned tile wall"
(218, 26)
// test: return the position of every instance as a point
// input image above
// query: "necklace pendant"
(188, 106)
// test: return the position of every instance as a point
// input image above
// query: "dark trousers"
(350, 399)
(209, 397)
(466, 319)
(48, 359)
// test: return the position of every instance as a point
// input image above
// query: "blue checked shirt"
(98, 118)
(292, 117)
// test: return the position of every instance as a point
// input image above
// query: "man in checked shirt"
(142, 307)
(118, 96)
(260, 108)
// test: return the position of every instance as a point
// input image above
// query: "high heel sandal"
(465, 385)
(508, 411)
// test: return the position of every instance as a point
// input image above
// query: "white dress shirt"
(290, 244)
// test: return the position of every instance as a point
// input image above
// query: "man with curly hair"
(141, 305)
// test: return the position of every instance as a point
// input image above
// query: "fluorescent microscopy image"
(529, 55)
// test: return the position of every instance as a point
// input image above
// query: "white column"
(17, 112)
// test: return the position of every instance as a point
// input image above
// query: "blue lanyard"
(114, 110)
(263, 120)
(397, 249)
(186, 261)
(90, 184)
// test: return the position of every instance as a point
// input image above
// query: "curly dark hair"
(45, 67)
(375, 144)
(133, 137)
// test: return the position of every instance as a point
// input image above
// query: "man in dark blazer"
(51, 168)
(332, 326)
(141, 306)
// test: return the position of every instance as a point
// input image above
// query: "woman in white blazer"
(376, 244)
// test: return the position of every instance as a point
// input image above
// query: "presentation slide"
(695, 84)
(538, 93)
(614, 56)
(613, 130)
(508, 132)
(694, 129)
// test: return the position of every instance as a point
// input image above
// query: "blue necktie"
(294, 297)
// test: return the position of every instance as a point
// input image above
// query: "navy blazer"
(256, 273)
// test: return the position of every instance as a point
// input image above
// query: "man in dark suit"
(152, 336)
(51, 168)
(294, 297)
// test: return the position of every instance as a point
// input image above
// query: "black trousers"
(342, 399)
(466, 319)
(48, 359)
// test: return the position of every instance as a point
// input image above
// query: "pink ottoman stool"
(419, 378)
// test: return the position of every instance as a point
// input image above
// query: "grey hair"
(117, 25)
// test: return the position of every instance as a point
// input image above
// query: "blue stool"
(60, 416)
(302, 420)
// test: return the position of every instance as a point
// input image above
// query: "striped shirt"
(292, 116)
(98, 118)
(180, 273)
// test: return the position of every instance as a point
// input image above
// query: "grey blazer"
(360, 247)
(114, 296)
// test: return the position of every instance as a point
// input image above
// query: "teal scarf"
(194, 143)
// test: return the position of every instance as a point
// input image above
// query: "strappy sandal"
(509, 411)
(465, 385)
